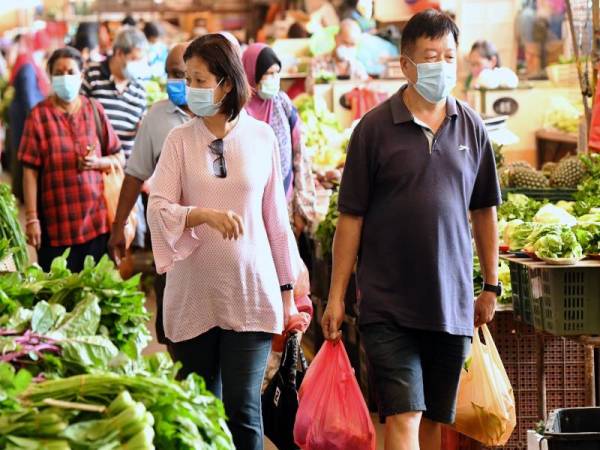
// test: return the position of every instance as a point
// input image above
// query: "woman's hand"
(289, 307)
(228, 223)
(93, 162)
(33, 231)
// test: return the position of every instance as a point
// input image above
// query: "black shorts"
(415, 370)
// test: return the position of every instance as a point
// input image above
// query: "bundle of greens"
(503, 277)
(10, 229)
(539, 231)
(588, 192)
(34, 339)
(558, 245)
(123, 316)
(326, 230)
(184, 415)
(519, 206)
(588, 235)
(516, 233)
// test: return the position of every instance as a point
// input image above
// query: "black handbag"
(280, 399)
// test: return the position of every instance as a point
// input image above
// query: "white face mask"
(269, 87)
(435, 80)
(201, 101)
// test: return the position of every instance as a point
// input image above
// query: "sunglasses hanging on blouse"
(219, 165)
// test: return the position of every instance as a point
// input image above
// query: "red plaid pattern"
(72, 208)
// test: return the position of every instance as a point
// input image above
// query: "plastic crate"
(525, 295)
(573, 429)
(571, 301)
(537, 314)
(515, 271)
(553, 195)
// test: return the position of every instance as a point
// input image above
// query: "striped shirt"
(124, 110)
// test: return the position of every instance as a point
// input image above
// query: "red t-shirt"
(72, 207)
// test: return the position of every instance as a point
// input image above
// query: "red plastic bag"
(332, 414)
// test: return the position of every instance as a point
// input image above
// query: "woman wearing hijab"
(269, 104)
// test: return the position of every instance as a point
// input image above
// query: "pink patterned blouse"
(212, 282)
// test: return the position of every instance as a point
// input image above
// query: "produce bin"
(537, 313)
(553, 195)
(525, 297)
(515, 272)
(573, 429)
(571, 301)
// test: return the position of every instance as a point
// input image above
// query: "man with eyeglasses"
(156, 125)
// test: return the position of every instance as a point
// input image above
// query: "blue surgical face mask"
(435, 80)
(201, 101)
(66, 86)
(269, 87)
(136, 69)
(177, 92)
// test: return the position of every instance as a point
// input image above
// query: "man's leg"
(402, 431)
(430, 435)
(443, 356)
(395, 363)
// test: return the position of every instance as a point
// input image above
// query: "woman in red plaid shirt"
(63, 162)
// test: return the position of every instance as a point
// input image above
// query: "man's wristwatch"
(493, 288)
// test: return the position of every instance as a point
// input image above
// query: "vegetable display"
(72, 375)
(559, 244)
(10, 229)
(326, 230)
(518, 206)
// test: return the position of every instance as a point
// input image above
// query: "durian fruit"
(569, 173)
(528, 179)
(548, 168)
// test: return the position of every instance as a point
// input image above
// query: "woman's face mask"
(201, 101)
(269, 87)
(66, 87)
(345, 53)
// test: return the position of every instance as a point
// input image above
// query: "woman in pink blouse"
(220, 229)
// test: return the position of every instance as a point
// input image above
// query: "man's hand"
(116, 243)
(485, 308)
(332, 320)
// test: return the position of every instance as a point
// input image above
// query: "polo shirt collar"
(401, 113)
(174, 109)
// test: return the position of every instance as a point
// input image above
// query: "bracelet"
(31, 221)
(287, 287)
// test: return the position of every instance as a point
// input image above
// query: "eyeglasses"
(219, 165)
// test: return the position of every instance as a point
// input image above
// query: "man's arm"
(345, 250)
(485, 233)
(129, 193)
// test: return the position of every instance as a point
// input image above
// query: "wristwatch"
(492, 288)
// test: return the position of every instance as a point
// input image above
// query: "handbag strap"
(98, 126)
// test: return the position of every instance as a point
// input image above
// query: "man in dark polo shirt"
(418, 167)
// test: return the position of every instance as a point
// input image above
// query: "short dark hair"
(486, 50)
(129, 21)
(431, 24)
(65, 52)
(224, 63)
(152, 30)
(86, 36)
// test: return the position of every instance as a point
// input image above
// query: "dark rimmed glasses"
(219, 166)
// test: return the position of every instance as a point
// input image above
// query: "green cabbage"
(552, 214)
(558, 245)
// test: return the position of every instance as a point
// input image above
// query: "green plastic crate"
(553, 195)
(571, 301)
(525, 295)
(515, 270)
(537, 314)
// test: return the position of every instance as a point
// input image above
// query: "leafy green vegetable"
(10, 229)
(588, 192)
(558, 245)
(552, 214)
(516, 234)
(588, 235)
(326, 230)
(519, 206)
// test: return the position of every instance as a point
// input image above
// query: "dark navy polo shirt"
(416, 257)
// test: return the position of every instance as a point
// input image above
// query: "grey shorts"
(415, 370)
